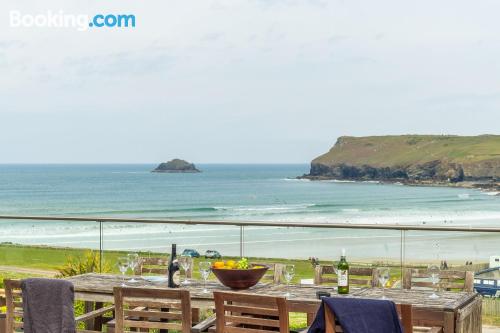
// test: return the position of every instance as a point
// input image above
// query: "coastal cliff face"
(411, 158)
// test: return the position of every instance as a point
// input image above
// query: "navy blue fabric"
(359, 315)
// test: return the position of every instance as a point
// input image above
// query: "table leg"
(89, 307)
(98, 321)
(310, 318)
(195, 316)
(449, 322)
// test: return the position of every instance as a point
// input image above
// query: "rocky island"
(176, 166)
(470, 161)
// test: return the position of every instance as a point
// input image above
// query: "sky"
(233, 81)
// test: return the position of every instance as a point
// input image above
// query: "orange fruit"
(218, 264)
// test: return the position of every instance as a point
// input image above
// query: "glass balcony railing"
(62, 246)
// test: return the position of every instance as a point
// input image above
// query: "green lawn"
(38, 257)
(42, 257)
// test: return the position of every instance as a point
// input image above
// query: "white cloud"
(244, 80)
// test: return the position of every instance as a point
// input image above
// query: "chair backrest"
(448, 279)
(358, 276)
(14, 302)
(274, 273)
(152, 265)
(240, 313)
(162, 309)
(404, 311)
(2, 297)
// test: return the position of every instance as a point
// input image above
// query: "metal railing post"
(403, 255)
(242, 240)
(101, 237)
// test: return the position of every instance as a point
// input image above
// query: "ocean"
(242, 192)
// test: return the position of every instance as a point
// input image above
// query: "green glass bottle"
(343, 275)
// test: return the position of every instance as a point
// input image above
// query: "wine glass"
(133, 262)
(123, 265)
(288, 274)
(433, 271)
(383, 278)
(205, 267)
(185, 262)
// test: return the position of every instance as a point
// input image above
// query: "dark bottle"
(343, 275)
(173, 269)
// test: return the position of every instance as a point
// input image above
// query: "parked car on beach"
(191, 252)
(212, 254)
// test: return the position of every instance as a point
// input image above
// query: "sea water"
(242, 192)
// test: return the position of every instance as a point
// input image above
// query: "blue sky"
(243, 81)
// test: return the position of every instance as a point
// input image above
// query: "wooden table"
(456, 312)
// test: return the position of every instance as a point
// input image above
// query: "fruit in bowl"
(238, 274)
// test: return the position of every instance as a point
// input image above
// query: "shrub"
(90, 262)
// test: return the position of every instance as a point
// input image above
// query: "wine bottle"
(343, 275)
(173, 269)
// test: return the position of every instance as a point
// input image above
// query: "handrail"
(400, 227)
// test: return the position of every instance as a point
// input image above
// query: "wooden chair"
(2, 323)
(448, 279)
(14, 316)
(151, 309)
(2, 315)
(156, 265)
(358, 276)
(274, 274)
(2, 297)
(405, 314)
(152, 265)
(159, 265)
(246, 313)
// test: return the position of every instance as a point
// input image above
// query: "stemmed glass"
(383, 278)
(288, 274)
(185, 262)
(123, 265)
(433, 271)
(205, 267)
(133, 262)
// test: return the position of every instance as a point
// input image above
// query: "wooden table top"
(448, 301)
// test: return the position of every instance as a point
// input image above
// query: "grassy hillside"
(411, 158)
(387, 151)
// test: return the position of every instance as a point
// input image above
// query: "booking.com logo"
(80, 22)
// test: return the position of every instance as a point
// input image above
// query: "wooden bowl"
(239, 278)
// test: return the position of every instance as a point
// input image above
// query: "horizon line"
(152, 163)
